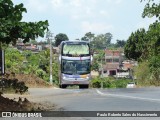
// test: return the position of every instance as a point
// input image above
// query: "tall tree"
(152, 8)
(88, 37)
(108, 37)
(102, 41)
(59, 38)
(145, 46)
(11, 27)
(136, 46)
(120, 43)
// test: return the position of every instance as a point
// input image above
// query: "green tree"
(142, 73)
(59, 38)
(108, 37)
(98, 60)
(154, 65)
(145, 47)
(154, 50)
(11, 27)
(120, 43)
(102, 41)
(136, 46)
(30, 63)
(95, 65)
(88, 37)
(152, 8)
(153, 35)
(13, 60)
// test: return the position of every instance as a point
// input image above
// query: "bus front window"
(76, 67)
(68, 67)
(75, 49)
(83, 67)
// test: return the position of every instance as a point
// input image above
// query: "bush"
(30, 63)
(96, 82)
(109, 82)
(122, 83)
(143, 74)
(13, 85)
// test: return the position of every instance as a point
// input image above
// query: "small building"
(113, 59)
(126, 70)
(110, 69)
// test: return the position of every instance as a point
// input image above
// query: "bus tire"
(83, 86)
(63, 86)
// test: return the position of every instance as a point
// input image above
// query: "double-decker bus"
(75, 64)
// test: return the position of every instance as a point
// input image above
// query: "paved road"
(139, 99)
(101, 99)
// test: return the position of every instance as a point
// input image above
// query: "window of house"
(108, 60)
(105, 71)
(115, 60)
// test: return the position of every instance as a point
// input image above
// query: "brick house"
(115, 65)
(113, 59)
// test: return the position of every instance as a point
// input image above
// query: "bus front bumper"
(75, 81)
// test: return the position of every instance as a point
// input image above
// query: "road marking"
(125, 96)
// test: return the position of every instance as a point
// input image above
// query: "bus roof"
(74, 42)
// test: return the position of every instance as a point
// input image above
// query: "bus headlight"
(85, 76)
(63, 77)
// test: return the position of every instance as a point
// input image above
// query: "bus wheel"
(83, 86)
(63, 86)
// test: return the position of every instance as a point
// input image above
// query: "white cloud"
(76, 3)
(104, 13)
(118, 1)
(36, 5)
(57, 3)
(114, 1)
(109, 1)
(95, 27)
(145, 23)
(73, 9)
(76, 17)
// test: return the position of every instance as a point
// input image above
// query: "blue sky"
(77, 17)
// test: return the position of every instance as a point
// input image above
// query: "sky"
(77, 17)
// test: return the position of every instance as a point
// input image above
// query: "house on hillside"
(126, 69)
(113, 59)
(34, 48)
(115, 65)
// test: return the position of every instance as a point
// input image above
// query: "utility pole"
(49, 37)
(101, 74)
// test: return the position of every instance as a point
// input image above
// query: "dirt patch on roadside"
(23, 104)
(30, 80)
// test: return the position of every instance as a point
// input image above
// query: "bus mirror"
(91, 58)
(59, 58)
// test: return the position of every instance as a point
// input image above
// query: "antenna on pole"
(49, 36)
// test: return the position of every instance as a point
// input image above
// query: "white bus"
(75, 64)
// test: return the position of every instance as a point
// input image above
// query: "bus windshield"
(73, 67)
(75, 49)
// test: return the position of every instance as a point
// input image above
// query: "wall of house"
(122, 74)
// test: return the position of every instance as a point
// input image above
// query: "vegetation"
(136, 47)
(120, 43)
(109, 82)
(144, 46)
(102, 41)
(98, 60)
(152, 9)
(13, 85)
(59, 38)
(13, 29)
(30, 63)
